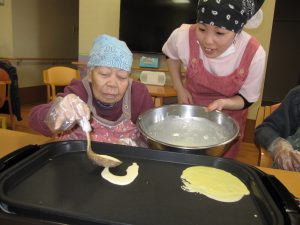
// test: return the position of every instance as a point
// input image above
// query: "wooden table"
(160, 92)
(13, 140)
(291, 180)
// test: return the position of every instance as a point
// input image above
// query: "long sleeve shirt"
(140, 102)
(283, 122)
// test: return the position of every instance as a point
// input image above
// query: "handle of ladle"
(85, 125)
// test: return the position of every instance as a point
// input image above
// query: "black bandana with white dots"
(228, 14)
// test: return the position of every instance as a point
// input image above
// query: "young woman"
(224, 65)
(107, 97)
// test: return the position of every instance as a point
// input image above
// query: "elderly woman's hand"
(285, 157)
(66, 112)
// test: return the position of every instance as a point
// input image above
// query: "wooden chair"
(3, 122)
(263, 112)
(58, 76)
(159, 92)
(5, 96)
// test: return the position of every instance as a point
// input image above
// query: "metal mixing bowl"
(158, 115)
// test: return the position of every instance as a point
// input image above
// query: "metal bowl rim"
(185, 147)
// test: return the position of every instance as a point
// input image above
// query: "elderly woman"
(280, 132)
(106, 97)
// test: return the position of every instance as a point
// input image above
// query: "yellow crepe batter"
(213, 183)
(132, 173)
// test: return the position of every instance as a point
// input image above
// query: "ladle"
(100, 160)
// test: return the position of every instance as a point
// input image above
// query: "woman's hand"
(216, 105)
(233, 103)
(66, 112)
(184, 96)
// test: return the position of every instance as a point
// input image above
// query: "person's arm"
(38, 114)
(274, 126)
(233, 103)
(272, 133)
(176, 49)
(184, 97)
(251, 89)
(36, 119)
(174, 69)
(283, 122)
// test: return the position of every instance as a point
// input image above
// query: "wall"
(283, 70)
(263, 34)
(38, 29)
(97, 17)
(45, 28)
(6, 36)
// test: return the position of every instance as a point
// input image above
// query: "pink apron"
(123, 131)
(205, 87)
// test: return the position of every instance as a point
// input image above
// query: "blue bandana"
(110, 52)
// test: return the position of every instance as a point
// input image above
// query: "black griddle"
(57, 183)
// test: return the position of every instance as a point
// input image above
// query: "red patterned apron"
(206, 87)
(122, 131)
